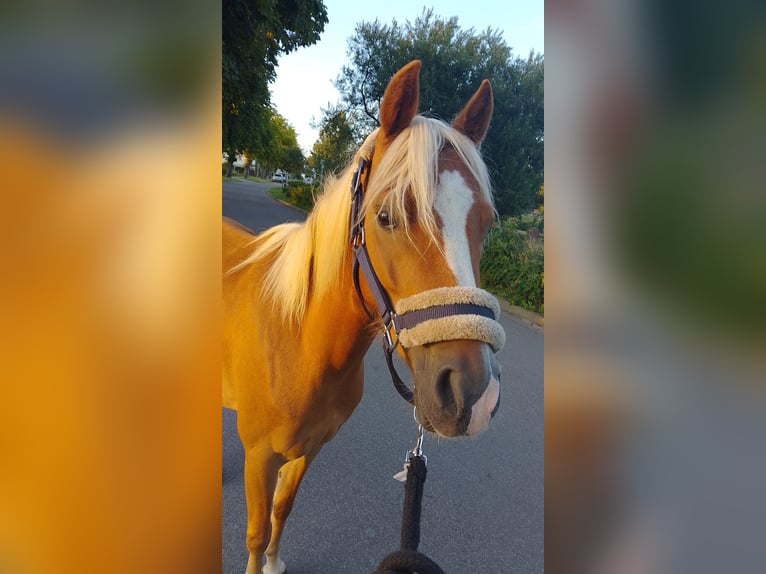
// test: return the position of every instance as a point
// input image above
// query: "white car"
(279, 176)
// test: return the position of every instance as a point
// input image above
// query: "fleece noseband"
(433, 316)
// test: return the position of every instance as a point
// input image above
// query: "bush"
(300, 194)
(529, 221)
(512, 265)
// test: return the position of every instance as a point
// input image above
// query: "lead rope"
(407, 560)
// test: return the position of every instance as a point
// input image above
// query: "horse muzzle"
(457, 379)
(457, 387)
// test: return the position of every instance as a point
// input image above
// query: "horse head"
(427, 210)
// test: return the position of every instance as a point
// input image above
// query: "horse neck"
(340, 329)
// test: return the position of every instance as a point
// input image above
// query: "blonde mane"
(306, 259)
(406, 177)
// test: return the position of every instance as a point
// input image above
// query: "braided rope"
(408, 560)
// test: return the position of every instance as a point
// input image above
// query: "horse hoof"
(275, 567)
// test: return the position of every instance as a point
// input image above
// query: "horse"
(392, 244)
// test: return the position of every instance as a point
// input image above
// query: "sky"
(304, 82)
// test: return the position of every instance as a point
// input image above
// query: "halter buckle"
(389, 327)
(357, 236)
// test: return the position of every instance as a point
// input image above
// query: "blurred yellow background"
(109, 296)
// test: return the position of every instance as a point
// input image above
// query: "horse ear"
(400, 101)
(473, 119)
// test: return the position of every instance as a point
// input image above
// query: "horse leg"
(261, 471)
(290, 476)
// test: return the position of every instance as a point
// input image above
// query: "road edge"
(522, 315)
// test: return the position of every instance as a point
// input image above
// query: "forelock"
(406, 177)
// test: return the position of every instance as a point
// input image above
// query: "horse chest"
(314, 418)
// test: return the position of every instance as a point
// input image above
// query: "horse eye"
(385, 220)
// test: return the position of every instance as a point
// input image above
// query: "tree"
(337, 141)
(283, 150)
(454, 63)
(515, 152)
(254, 34)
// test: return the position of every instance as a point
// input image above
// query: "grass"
(250, 179)
(278, 193)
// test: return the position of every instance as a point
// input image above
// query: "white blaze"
(453, 201)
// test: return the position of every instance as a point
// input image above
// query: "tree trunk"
(230, 166)
(246, 168)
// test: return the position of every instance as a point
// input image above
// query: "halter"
(442, 314)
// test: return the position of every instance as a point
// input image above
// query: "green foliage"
(337, 141)
(514, 146)
(455, 61)
(254, 34)
(690, 225)
(512, 265)
(284, 150)
(301, 195)
(535, 220)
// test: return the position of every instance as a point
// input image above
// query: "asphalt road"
(483, 500)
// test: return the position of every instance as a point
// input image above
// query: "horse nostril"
(447, 390)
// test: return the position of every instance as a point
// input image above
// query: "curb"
(290, 205)
(520, 314)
